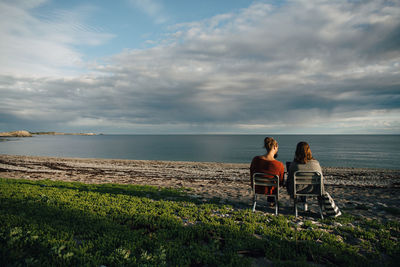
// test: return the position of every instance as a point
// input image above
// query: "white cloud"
(152, 8)
(303, 67)
(43, 46)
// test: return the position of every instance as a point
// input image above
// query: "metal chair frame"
(308, 178)
(266, 179)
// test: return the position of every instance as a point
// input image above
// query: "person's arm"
(252, 168)
(282, 175)
(318, 167)
(289, 181)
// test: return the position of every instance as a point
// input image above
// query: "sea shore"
(372, 193)
(24, 133)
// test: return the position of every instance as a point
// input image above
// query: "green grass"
(47, 223)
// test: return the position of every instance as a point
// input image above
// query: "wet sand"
(373, 193)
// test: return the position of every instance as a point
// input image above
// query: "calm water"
(370, 151)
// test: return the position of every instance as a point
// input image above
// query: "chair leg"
(254, 202)
(295, 207)
(320, 210)
(276, 206)
(320, 202)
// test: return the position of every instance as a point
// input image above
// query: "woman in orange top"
(267, 163)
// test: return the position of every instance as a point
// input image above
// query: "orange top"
(258, 164)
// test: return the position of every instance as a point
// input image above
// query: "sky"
(200, 67)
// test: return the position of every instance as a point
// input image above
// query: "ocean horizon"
(341, 150)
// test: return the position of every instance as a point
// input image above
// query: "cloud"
(302, 67)
(44, 45)
(152, 8)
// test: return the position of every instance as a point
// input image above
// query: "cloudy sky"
(182, 66)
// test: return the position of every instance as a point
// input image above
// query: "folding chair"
(305, 179)
(266, 179)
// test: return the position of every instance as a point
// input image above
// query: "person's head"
(270, 144)
(303, 153)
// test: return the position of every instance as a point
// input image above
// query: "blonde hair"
(303, 153)
(269, 143)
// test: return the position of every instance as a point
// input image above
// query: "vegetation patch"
(48, 223)
(391, 210)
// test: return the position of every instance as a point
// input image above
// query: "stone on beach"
(367, 192)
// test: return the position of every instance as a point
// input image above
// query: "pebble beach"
(371, 193)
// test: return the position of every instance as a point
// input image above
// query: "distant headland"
(30, 134)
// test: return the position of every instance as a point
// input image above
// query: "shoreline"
(24, 133)
(326, 168)
(373, 193)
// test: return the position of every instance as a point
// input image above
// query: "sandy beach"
(373, 193)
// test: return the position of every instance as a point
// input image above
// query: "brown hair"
(303, 153)
(269, 143)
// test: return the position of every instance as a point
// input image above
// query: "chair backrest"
(308, 178)
(266, 179)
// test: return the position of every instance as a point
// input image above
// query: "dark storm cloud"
(333, 65)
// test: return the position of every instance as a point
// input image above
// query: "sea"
(357, 151)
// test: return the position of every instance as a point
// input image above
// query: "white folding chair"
(308, 184)
(266, 179)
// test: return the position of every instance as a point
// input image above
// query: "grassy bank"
(47, 223)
